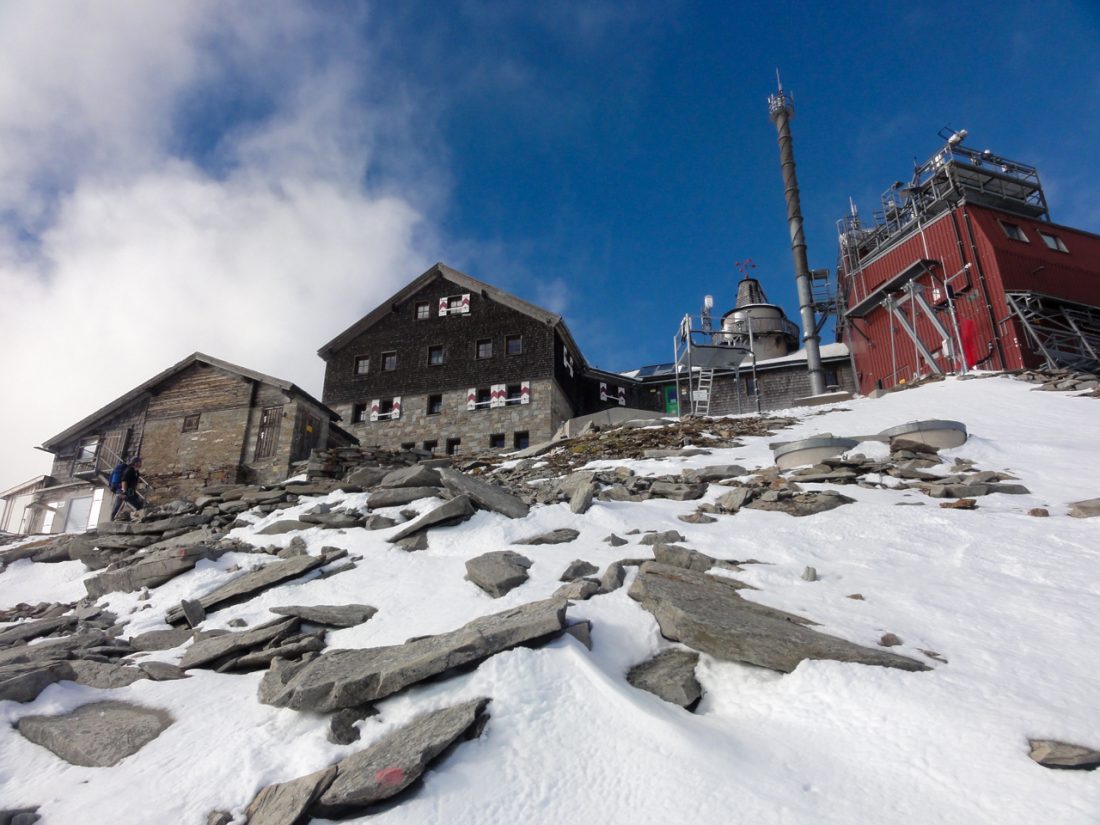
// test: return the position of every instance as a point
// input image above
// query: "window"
(389, 361)
(358, 413)
(513, 394)
(423, 311)
(454, 303)
(484, 397)
(521, 440)
(452, 445)
(362, 364)
(435, 355)
(190, 423)
(435, 404)
(750, 386)
(496, 441)
(1053, 241)
(408, 445)
(268, 438)
(485, 348)
(513, 344)
(385, 407)
(831, 378)
(86, 452)
(429, 446)
(1014, 231)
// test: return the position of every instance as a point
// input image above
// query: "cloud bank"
(189, 176)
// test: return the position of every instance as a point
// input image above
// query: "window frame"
(191, 423)
(360, 413)
(478, 356)
(1013, 231)
(452, 445)
(385, 362)
(496, 441)
(422, 310)
(511, 400)
(437, 348)
(1053, 242)
(479, 402)
(508, 339)
(516, 439)
(428, 406)
(361, 361)
(430, 445)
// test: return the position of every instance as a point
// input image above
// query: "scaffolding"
(700, 355)
(1064, 333)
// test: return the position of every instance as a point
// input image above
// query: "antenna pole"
(781, 110)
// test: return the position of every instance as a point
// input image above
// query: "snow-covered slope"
(1009, 600)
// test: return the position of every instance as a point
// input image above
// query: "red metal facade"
(885, 355)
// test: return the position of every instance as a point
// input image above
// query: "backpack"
(116, 476)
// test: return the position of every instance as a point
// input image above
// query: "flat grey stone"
(715, 472)
(1088, 508)
(578, 591)
(802, 504)
(485, 495)
(809, 574)
(291, 649)
(697, 518)
(706, 613)
(151, 570)
(581, 500)
(212, 649)
(665, 537)
(287, 802)
(684, 452)
(415, 476)
(253, 582)
(348, 678)
(578, 569)
(677, 556)
(22, 682)
(677, 491)
(582, 632)
(193, 612)
(289, 525)
(414, 543)
(342, 729)
(669, 675)
(103, 675)
(19, 816)
(735, 499)
(367, 476)
(202, 535)
(562, 535)
(1051, 753)
(97, 735)
(138, 528)
(25, 631)
(613, 577)
(457, 509)
(162, 671)
(397, 760)
(400, 496)
(331, 615)
(498, 572)
(335, 521)
(161, 639)
(616, 541)
(377, 522)
(111, 542)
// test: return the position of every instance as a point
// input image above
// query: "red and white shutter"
(603, 391)
(622, 396)
(442, 306)
(375, 404)
(498, 395)
(525, 392)
(471, 398)
(396, 407)
(465, 308)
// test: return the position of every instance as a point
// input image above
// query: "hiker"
(124, 482)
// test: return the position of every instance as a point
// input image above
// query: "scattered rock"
(705, 613)
(456, 510)
(23, 681)
(498, 572)
(341, 727)
(578, 569)
(582, 632)
(287, 802)
(1053, 754)
(347, 678)
(616, 541)
(160, 639)
(414, 543)
(715, 472)
(560, 536)
(809, 574)
(582, 497)
(151, 570)
(162, 671)
(97, 735)
(377, 522)
(417, 475)
(104, 675)
(331, 615)
(676, 556)
(290, 525)
(802, 504)
(669, 675)
(212, 650)
(960, 504)
(1089, 508)
(677, 491)
(613, 577)
(399, 496)
(735, 499)
(397, 760)
(666, 537)
(485, 495)
(1039, 512)
(857, 596)
(697, 518)
(578, 590)
(193, 612)
(889, 640)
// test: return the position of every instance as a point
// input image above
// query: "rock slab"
(707, 614)
(97, 735)
(457, 509)
(348, 678)
(485, 495)
(670, 675)
(498, 572)
(330, 615)
(1053, 754)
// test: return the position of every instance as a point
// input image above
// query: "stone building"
(452, 364)
(202, 421)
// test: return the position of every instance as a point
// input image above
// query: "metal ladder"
(701, 405)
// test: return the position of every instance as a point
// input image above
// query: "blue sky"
(248, 179)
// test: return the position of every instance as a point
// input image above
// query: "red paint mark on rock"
(388, 777)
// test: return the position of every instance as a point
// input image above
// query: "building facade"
(453, 365)
(202, 421)
(963, 268)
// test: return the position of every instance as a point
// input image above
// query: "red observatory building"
(964, 269)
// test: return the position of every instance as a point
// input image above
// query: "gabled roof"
(26, 485)
(460, 279)
(145, 390)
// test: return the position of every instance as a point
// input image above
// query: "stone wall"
(472, 427)
(779, 388)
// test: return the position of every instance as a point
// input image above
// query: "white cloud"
(123, 253)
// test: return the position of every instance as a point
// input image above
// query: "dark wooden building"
(452, 364)
(201, 421)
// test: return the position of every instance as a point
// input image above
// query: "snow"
(1009, 600)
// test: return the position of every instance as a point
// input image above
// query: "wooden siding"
(197, 389)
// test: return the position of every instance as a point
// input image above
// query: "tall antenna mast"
(781, 110)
